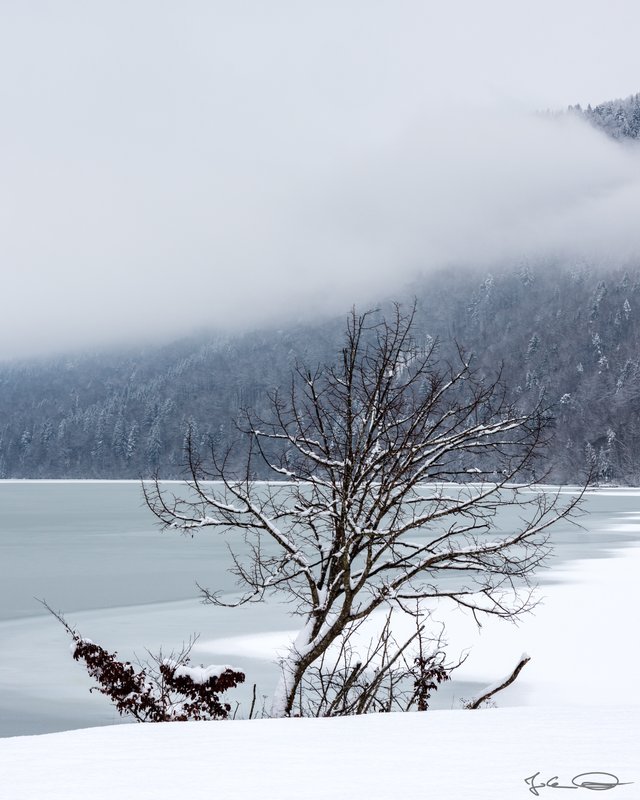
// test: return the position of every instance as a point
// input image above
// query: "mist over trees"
(564, 330)
(568, 331)
(620, 119)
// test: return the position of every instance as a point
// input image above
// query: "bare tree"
(389, 468)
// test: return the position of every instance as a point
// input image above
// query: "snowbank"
(480, 755)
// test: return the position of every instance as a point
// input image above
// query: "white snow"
(445, 755)
(202, 674)
(574, 709)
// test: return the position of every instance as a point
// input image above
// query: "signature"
(594, 781)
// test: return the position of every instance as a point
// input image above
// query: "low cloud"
(147, 196)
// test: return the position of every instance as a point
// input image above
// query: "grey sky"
(171, 164)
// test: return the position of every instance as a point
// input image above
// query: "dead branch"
(484, 697)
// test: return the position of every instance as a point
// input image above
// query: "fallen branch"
(524, 659)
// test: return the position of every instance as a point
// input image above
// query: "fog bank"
(219, 164)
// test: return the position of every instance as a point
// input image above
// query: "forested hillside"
(618, 118)
(568, 331)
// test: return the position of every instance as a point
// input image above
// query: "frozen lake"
(92, 550)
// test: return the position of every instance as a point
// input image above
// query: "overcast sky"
(167, 165)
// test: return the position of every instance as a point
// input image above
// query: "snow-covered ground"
(575, 709)
(445, 755)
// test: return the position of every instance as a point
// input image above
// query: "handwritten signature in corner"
(594, 781)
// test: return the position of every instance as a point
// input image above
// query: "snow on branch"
(498, 686)
(163, 689)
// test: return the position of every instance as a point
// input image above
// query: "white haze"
(165, 166)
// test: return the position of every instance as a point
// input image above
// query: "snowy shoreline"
(574, 708)
(75, 561)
